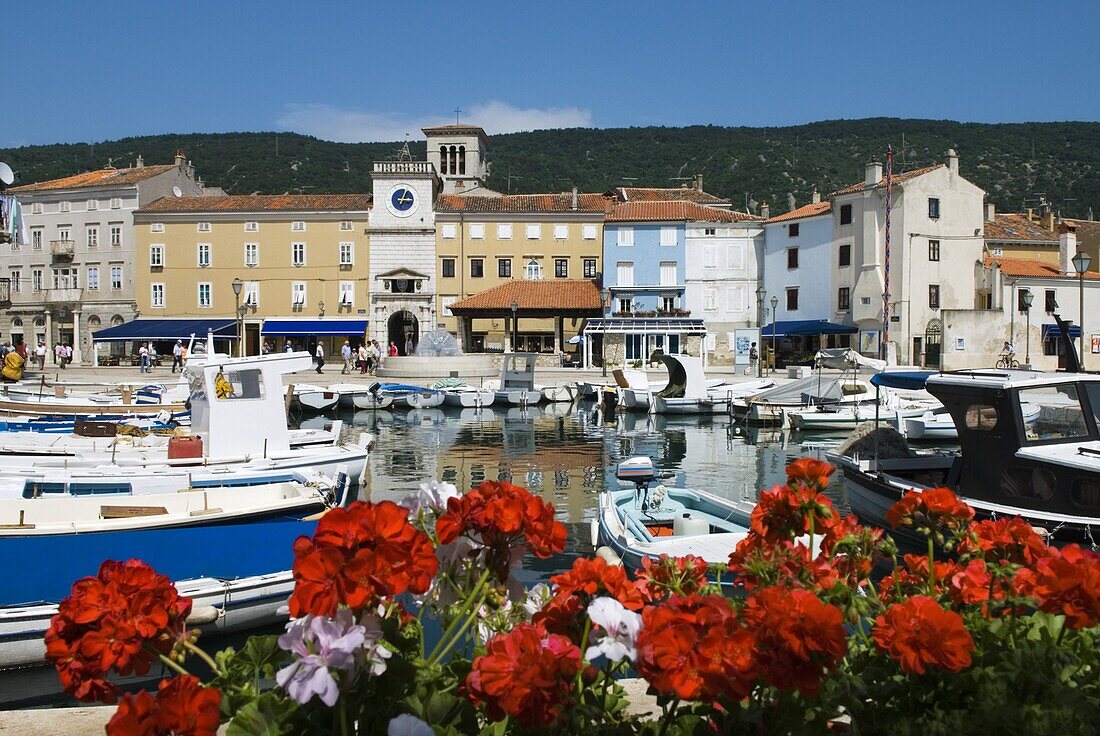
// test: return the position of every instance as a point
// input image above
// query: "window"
(347, 254)
(710, 232)
(561, 232)
(156, 255)
(792, 300)
(244, 384)
(504, 231)
(36, 238)
(63, 233)
(477, 268)
(36, 279)
(156, 227)
(588, 232)
(845, 214)
(204, 227)
(116, 203)
(298, 294)
(710, 257)
(298, 254)
(116, 277)
(933, 296)
(1062, 416)
(298, 226)
(16, 281)
(477, 230)
(445, 304)
(735, 257)
(792, 257)
(251, 254)
(116, 236)
(206, 299)
(933, 250)
(590, 268)
(735, 299)
(843, 303)
(934, 208)
(668, 303)
(36, 208)
(792, 230)
(1020, 299)
(668, 236)
(91, 236)
(448, 268)
(65, 278)
(65, 207)
(93, 204)
(346, 226)
(203, 255)
(626, 304)
(844, 255)
(534, 232)
(1049, 302)
(624, 236)
(449, 231)
(347, 293)
(156, 295)
(252, 226)
(533, 272)
(93, 278)
(668, 273)
(251, 294)
(625, 273)
(504, 268)
(635, 347)
(561, 268)
(710, 300)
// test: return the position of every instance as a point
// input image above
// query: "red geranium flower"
(912, 578)
(524, 674)
(358, 555)
(930, 510)
(666, 575)
(785, 512)
(575, 589)
(1005, 541)
(758, 563)
(812, 472)
(182, 706)
(798, 638)
(970, 584)
(120, 620)
(694, 647)
(918, 633)
(1066, 581)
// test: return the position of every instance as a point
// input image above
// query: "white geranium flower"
(432, 496)
(537, 597)
(620, 630)
(408, 725)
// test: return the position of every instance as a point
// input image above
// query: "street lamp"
(321, 307)
(515, 333)
(775, 305)
(237, 286)
(1027, 298)
(605, 302)
(1081, 263)
(760, 294)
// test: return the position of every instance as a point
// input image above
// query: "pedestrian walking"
(376, 354)
(393, 349)
(143, 358)
(177, 356)
(364, 358)
(152, 356)
(59, 355)
(40, 355)
(288, 348)
(754, 358)
(408, 345)
(319, 354)
(345, 353)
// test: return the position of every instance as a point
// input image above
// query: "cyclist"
(1008, 355)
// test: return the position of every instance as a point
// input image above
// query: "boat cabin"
(517, 372)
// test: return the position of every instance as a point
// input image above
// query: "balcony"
(69, 296)
(63, 250)
(403, 167)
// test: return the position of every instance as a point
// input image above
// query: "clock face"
(402, 202)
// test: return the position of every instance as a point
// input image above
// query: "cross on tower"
(458, 110)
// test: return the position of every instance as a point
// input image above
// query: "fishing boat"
(845, 417)
(1043, 466)
(641, 522)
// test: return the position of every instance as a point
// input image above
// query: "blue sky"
(87, 71)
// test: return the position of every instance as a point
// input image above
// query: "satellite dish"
(6, 174)
(177, 191)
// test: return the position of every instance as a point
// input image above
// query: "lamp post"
(1081, 263)
(760, 294)
(775, 305)
(605, 302)
(515, 333)
(237, 285)
(1027, 298)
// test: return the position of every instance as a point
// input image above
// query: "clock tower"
(402, 247)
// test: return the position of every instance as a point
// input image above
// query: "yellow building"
(1026, 236)
(301, 262)
(485, 241)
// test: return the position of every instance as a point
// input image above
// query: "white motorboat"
(845, 417)
(468, 397)
(316, 399)
(372, 401)
(559, 394)
(686, 391)
(516, 386)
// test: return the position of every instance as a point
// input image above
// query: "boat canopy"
(166, 328)
(796, 327)
(686, 379)
(845, 358)
(329, 326)
(904, 380)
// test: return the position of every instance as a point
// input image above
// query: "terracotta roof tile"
(549, 295)
(666, 194)
(898, 179)
(522, 203)
(674, 212)
(262, 203)
(1011, 227)
(98, 178)
(807, 210)
(1025, 268)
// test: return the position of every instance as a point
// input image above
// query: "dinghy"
(687, 391)
(516, 386)
(315, 399)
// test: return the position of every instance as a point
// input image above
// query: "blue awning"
(335, 326)
(796, 327)
(905, 380)
(1053, 331)
(147, 328)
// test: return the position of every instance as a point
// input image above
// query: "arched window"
(94, 321)
(454, 159)
(443, 159)
(16, 322)
(534, 270)
(462, 160)
(116, 320)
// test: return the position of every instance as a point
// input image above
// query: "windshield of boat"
(1053, 414)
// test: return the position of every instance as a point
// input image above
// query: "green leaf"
(267, 715)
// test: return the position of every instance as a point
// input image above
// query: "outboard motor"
(639, 471)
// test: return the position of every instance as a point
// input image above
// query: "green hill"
(1015, 163)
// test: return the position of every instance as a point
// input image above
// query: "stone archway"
(401, 328)
(933, 343)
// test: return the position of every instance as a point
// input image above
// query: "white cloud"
(351, 125)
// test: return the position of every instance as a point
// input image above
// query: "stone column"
(557, 338)
(49, 336)
(507, 334)
(76, 337)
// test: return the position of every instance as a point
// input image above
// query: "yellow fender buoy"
(223, 389)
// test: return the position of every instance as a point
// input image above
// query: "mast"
(886, 254)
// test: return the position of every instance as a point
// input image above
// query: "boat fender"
(610, 556)
(594, 530)
(202, 615)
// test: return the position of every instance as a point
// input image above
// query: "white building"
(460, 155)
(77, 272)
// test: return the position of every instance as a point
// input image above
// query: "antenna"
(177, 192)
(7, 176)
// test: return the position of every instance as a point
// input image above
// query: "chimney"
(815, 196)
(765, 211)
(1047, 219)
(952, 161)
(699, 182)
(873, 175)
(990, 211)
(574, 198)
(139, 163)
(181, 160)
(1067, 249)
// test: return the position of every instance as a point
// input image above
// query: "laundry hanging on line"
(13, 228)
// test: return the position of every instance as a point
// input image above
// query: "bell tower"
(460, 153)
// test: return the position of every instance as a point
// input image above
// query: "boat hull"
(371, 401)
